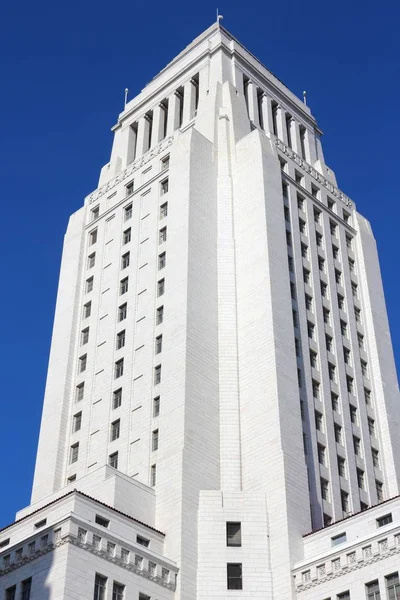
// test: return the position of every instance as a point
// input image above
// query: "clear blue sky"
(64, 67)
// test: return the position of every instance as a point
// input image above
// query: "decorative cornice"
(313, 172)
(127, 172)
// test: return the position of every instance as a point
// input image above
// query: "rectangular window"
(310, 330)
(357, 445)
(332, 372)
(122, 312)
(361, 479)
(385, 520)
(338, 433)
(123, 286)
(353, 414)
(343, 328)
(158, 345)
(162, 260)
(341, 466)
(115, 430)
(335, 252)
(364, 368)
(118, 591)
(80, 390)
(302, 131)
(102, 521)
(324, 290)
(299, 178)
(319, 423)
(372, 590)
(153, 475)
(306, 276)
(346, 356)
(344, 596)
(309, 302)
(321, 454)
(338, 277)
(304, 250)
(340, 538)
(117, 398)
(300, 202)
(345, 501)
(288, 238)
(317, 213)
(340, 302)
(154, 440)
(164, 162)
(352, 265)
(113, 460)
(314, 359)
(100, 587)
(160, 315)
(349, 242)
(87, 309)
(286, 213)
(125, 260)
(91, 260)
(234, 576)
(331, 203)
(120, 339)
(89, 284)
(92, 237)
(82, 363)
(371, 426)
(315, 389)
(333, 228)
(164, 186)
(74, 453)
(367, 396)
(162, 235)
(321, 264)
(164, 210)
(233, 534)
(302, 226)
(360, 339)
(393, 586)
(26, 587)
(129, 188)
(379, 490)
(128, 212)
(324, 489)
(77, 422)
(375, 458)
(119, 368)
(127, 236)
(157, 374)
(95, 213)
(160, 287)
(11, 593)
(84, 336)
(335, 402)
(329, 343)
(156, 406)
(142, 541)
(350, 384)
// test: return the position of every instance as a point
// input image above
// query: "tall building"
(221, 416)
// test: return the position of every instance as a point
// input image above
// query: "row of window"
(25, 589)
(372, 591)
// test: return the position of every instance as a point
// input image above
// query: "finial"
(219, 17)
(305, 97)
(126, 97)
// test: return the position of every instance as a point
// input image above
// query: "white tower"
(221, 378)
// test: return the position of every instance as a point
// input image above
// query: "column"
(158, 126)
(281, 122)
(189, 102)
(294, 126)
(252, 103)
(267, 114)
(142, 136)
(173, 113)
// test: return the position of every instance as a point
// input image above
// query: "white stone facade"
(220, 354)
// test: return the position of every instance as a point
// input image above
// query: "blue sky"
(64, 68)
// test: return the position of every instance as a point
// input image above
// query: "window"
(292, 290)
(332, 372)
(340, 300)
(367, 396)
(379, 490)
(164, 210)
(117, 398)
(165, 574)
(165, 162)
(375, 458)
(324, 489)
(306, 276)
(233, 534)
(324, 290)
(73, 453)
(340, 538)
(287, 213)
(71, 479)
(364, 368)
(119, 368)
(118, 591)
(302, 226)
(127, 236)
(77, 422)
(349, 242)
(159, 315)
(345, 501)
(162, 235)
(82, 533)
(32, 547)
(142, 541)
(144, 596)
(338, 277)
(94, 213)
(361, 479)
(11, 593)
(346, 356)
(346, 217)
(87, 309)
(102, 521)
(338, 433)
(314, 359)
(352, 265)
(357, 314)
(84, 336)
(354, 289)
(300, 202)
(331, 203)
(309, 302)
(315, 192)
(154, 440)
(393, 586)
(159, 341)
(80, 390)
(156, 406)
(164, 187)
(115, 430)
(341, 466)
(319, 238)
(40, 524)
(89, 284)
(371, 426)
(357, 445)
(120, 339)
(157, 374)
(321, 454)
(123, 286)
(385, 520)
(360, 339)
(353, 414)
(125, 260)
(327, 521)
(335, 402)
(315, 389)
(310, 330)
(91, 260)
(344, 596)
(113, 460)
(92, 237)
(125, 555)
(350, 384)
(122, 312)
(234, 576)
(321, 264)
(110, 548)
(318, 421)
(26, 586)
(329, 343)
(100, 585)
(162, 260)
(372, 590)
(294, 315)
(335, 252)
(129, 188)
(288, 238)
(153, 475)
(333, 228)
(128, 212)
(299, 377)
(160, 287)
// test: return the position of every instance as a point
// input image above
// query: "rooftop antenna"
(219, 17)
(305, 97)
(126, 97)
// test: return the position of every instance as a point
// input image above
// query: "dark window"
(102, 521)
(26, 589)
(372, 590)
(385, 520)
(11, 593)
(142, 541)
(234, 576)
(100, 584)
(233, 534)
